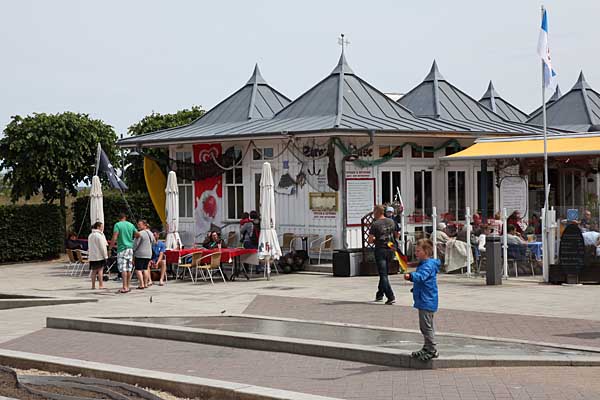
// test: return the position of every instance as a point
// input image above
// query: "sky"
(119, 60)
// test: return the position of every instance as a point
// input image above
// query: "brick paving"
(578, 332)
(326, 377)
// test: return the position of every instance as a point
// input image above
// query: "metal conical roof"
(577, 110)
(493, 101)
(343, 100)
(435, 97)
(255, 100)
(557, 95)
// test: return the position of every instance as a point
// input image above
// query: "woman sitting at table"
(213, 241)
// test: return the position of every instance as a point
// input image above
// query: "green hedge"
(30, 232)
(139, 202)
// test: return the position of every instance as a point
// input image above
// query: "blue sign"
(572, 214)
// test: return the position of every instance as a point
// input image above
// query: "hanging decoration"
(332, 175)
(301, 177)
(348, 151)
(286, 185)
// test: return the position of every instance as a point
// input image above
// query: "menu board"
(360, 199)
(571, 250)
(513, 194)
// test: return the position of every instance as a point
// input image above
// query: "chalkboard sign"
(572, 250)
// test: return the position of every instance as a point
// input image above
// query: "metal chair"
(194, 261)
(519, 253)
(320, 247)
(72, 263)
(210, 267)
(82, 259)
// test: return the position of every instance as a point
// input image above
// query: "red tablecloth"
(227, 254)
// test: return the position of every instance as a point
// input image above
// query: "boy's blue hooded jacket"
(425, 290)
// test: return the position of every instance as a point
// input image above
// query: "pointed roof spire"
(492, 96)
(342, 65)
(581, 82)
(557, 94)
(256, 77)
(434, 74)
(491, 92)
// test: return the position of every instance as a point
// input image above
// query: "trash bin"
(493, 273)
(346, 262)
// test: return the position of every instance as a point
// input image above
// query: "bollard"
(493, 274)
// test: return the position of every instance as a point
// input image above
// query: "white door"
(456, 192)
(389, 180)
(423, 191)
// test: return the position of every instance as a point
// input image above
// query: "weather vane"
(343, 42)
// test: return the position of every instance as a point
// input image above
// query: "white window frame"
(261, 152)
(391, 171)
(238, 199)
(185, 187)
(457, 189)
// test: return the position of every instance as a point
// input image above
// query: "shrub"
(30, 232)
(139, 202)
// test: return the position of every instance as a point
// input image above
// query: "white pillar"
(468, 224)
(505, 242)
(434, 231)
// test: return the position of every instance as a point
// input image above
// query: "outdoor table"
(536, 249)
(230, 255)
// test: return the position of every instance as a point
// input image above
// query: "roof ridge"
(341, 69)
(492, 95)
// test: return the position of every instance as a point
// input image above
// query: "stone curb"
(8, 304)
(179, 385)
(314, 348)
(385, 328)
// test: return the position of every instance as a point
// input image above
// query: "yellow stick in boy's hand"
(402, 259)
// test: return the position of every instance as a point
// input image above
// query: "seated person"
(159, 259)
(213, 241)
(592, 238)
(485, 230)
(512, 237)
(586, 221)
(441, 236)
(73, 243)
(517, 222)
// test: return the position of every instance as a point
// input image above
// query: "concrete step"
(324, 268)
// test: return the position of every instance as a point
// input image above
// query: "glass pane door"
(390, 180)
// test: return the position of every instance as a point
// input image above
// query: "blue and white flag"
(550, 77)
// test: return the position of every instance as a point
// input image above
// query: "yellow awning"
(564, 145)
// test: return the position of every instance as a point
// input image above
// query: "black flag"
(107, 167)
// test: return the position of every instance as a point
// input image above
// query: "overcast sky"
(121, 60)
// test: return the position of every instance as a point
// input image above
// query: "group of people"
(384, 230)
(138, 249)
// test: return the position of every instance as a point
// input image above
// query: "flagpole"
(545, 250)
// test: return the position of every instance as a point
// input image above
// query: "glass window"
(386, 150)
(428, 153)
(390, 180)
(234, 188)
(423, 192)
(456, 194)
(490, 194)
(265, 153)
(451, 150)
(186, 188)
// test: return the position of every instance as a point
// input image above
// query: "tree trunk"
(63, 210)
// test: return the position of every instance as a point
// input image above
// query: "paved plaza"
(519, 309)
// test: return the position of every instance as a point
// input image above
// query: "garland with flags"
(212, 168)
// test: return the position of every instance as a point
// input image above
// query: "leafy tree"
(52, 153)
(134, 174)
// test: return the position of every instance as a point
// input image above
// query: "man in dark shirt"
(381, 233)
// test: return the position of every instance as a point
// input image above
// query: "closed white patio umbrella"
(268, 244)
(96, 202)
(172, 212)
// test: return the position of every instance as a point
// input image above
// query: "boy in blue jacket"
(425, 296)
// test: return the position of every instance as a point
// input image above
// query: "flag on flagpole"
(550, 76)
(113, 178)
